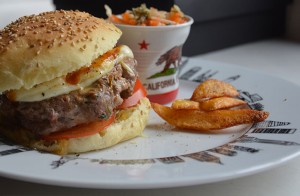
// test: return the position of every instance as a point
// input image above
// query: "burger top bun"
(38, 48)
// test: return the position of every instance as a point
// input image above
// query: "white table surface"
(10, 10)
(277, 57)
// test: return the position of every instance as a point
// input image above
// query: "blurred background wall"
(293, 21)
(220, 24)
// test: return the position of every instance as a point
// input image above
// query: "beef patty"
(96, 102)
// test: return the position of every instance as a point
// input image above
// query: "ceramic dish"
(168, 157)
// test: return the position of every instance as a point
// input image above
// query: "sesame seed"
(64, 25)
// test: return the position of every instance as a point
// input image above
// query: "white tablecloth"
(11, 10)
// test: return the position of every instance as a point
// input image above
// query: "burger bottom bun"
(129, 124)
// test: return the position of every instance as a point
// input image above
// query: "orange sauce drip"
(11, 95)
(74, 77)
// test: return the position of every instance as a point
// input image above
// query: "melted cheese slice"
(79, 79)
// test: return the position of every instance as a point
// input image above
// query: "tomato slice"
(138, 92)
(81, 130)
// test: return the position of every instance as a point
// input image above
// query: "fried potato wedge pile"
(213, 106)
(205, 121)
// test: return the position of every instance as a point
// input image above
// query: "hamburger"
(65, 86)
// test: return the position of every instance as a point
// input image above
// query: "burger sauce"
(74, 77)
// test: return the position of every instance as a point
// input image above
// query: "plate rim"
(172, 183)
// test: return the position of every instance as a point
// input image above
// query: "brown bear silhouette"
(172, 56)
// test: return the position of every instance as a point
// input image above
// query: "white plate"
(166, 157)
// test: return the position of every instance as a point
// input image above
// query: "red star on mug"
(144, 45)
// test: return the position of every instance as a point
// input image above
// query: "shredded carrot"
(153, 23)
(148, 17)
(163, 21)
(128, 18)
(176, 17)
(116, 19)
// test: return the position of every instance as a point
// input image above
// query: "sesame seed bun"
(61, 68)
(38, 48)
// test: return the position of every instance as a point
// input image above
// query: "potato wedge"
(213, 88)
(208, 105)
(220, 103)
(185, 104)
(205, 121)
